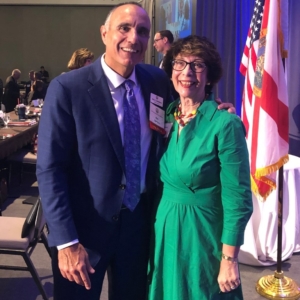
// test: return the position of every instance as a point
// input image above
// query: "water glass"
(6, 119)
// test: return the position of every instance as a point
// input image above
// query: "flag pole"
(278, 286)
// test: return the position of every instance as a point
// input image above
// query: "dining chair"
(12, 242)
(25, 156)
(19, 160)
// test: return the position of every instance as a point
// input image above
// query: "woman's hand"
(228, 278)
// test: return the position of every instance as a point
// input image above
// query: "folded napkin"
(22, 123)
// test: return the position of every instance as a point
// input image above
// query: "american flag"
(265, 102)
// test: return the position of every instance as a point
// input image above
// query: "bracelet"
(232, 259)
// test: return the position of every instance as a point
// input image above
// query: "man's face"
(126, 38)
(159, 43)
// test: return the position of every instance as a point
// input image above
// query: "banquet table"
(260, 240)
(14, 138)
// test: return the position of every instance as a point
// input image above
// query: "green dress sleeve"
(235, 180)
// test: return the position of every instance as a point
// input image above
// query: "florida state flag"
(265, 102)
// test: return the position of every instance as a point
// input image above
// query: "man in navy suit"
(81, 169)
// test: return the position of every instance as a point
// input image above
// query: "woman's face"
(188, 83)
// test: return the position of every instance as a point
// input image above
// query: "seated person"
(36, 92)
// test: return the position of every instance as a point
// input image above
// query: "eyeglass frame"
(187, 63)
(155, 41)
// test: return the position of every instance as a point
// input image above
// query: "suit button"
(122, 186)
(115, 218)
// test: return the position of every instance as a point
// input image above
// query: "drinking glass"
(6, 119)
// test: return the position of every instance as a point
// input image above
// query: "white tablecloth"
(260, 244)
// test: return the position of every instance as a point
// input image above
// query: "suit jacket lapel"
(101, 97)
(144, 78)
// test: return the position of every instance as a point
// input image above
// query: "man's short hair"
(42, 67)
(168, 34)
(107, 21)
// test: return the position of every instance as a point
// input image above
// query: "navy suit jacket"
(81, 158)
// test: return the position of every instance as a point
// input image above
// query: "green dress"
(206, 201)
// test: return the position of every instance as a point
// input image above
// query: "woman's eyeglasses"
(196, 66)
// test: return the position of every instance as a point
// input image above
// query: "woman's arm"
(236, 197)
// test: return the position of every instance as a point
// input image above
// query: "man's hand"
(229, 106)
(74, 265)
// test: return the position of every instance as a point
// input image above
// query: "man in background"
(45, 74)
(11, 91)
(162, 42)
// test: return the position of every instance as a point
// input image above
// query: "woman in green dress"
(206, 198)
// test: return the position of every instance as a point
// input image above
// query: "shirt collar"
(113, 78)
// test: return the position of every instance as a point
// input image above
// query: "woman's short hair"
(200, 47)
(79, 57)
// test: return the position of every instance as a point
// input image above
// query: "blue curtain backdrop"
(226, 24)
(244, 11)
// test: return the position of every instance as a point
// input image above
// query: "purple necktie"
(132, 147)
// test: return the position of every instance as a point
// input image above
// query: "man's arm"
(57, 136)
(57, 139)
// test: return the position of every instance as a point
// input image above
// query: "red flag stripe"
(275, 108)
